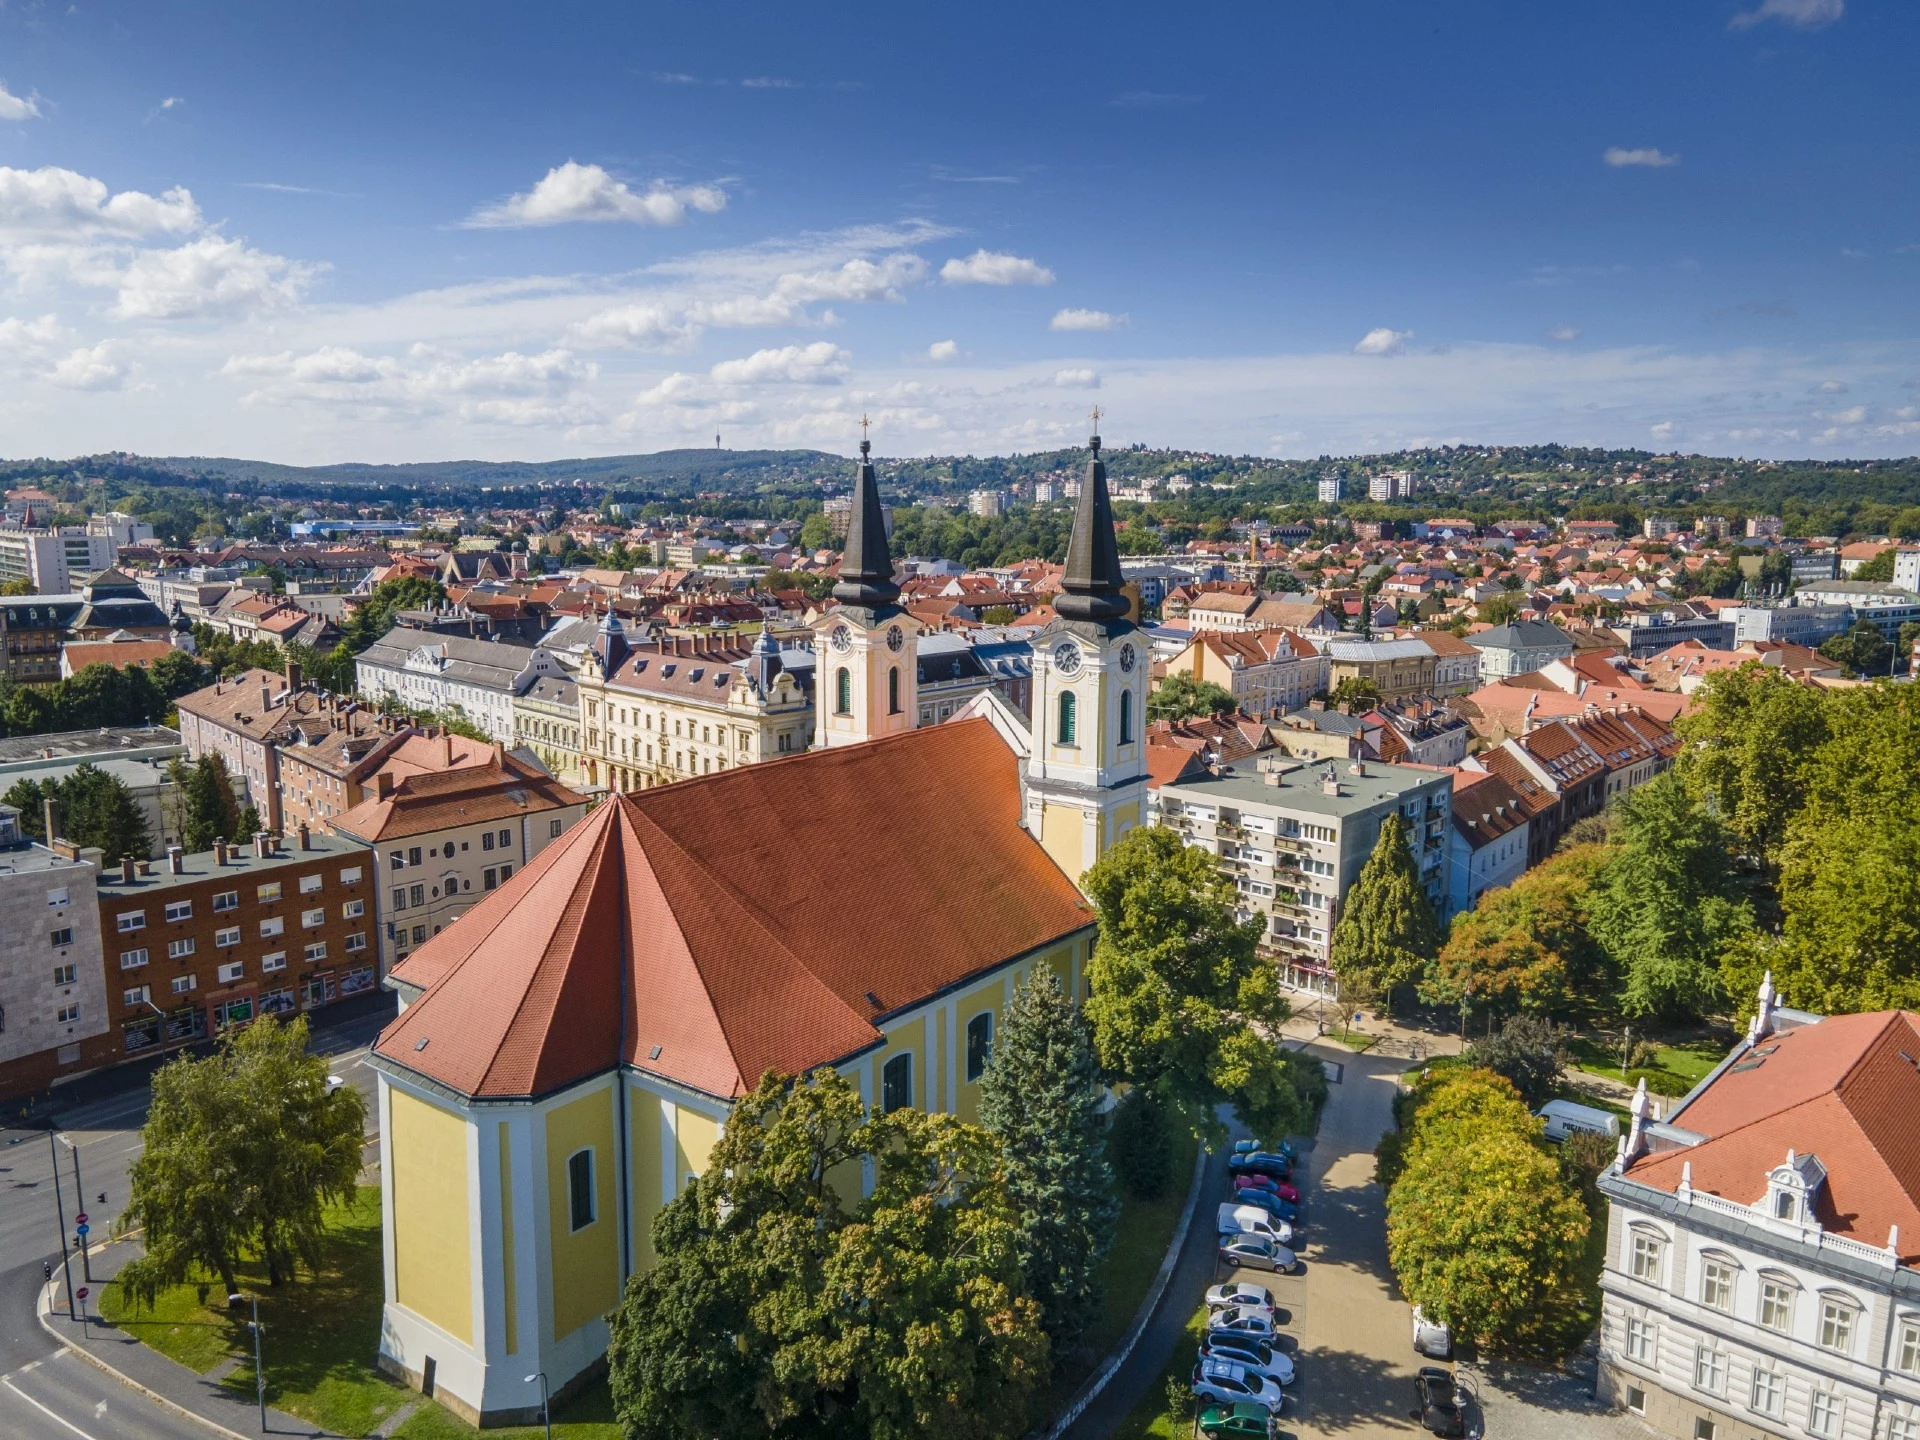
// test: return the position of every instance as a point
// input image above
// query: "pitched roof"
(503, 788)
(1485, 806)
(752, 912)
(1844, 1090)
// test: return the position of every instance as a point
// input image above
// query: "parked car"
(1241, 1320)
(1254, 1252)
(1254, 1221)
(1260, 1162)
(1430, 1338)
(1224, 1381)
(1440, 1410)
(1284, 1147)
(1243, 1418)
(1239, 1292)
(1256, 1182)
(1251, 1351)
(1271, 1203)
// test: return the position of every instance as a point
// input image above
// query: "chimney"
(176, 860)
(305, 843)
(1329, 783)
(1359, 767)
(126, 870)
(446, 748)
(500, 754)
(293, 675)
(266, 696)
(382, 785)
(50, 813)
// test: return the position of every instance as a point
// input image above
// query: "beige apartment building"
(1268, 672)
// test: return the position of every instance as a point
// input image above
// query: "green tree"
(1752, 738)
(1355, 694)
(243, 1152)
(373, 617)
(1863, 650)
(1530, 1053)
(177, 673)
(1182, 697)
(1180, 999)
(1041, 1099)
(1666, 904)
(21, 586)
(1526, 946)
(208, 809)
(1880, 568)
(816, 532)
(1484, 1232)
(1387, 933)
(896, 1316)
(94, 807)
(1909, 637)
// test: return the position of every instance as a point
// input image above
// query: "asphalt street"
(45, 1391)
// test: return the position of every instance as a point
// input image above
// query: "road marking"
(46, 1412)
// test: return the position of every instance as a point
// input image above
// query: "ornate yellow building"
(567, 1055)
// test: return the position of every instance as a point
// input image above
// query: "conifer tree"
(1041, 1099)
(1387, 935)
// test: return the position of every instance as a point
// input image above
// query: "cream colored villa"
(568, 1053)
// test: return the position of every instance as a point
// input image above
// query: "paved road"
(45, 1391)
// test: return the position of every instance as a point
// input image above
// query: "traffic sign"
(81, 1293)
(81, 1218)
(80, 1229)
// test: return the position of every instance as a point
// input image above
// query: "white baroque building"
(1761, 1277)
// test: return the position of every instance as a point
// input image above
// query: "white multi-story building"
(1390, 485)
(1294, 835)
(120, 528)
(54, 561)
(987, 503)
(1760, 1276)
(1329, 489)
(446, 673)
(1519, 648)
(53, 996)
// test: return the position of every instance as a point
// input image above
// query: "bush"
(1529, 1051)
(1141, 1144)
(1660, 1082)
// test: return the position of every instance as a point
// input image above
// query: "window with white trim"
(133, 959)
(127, 921)
(275, 961)
(310, 884)
(181, 948)
(1824, 1409)
(315, 951)
(1906, 1351)
(356, 942)
(353, 909)
(1644, 1262)
(1769, 1389)
(68, 1015)
(1902, 1427)
(1709, 1369)
(229, 936)
(1776, 1304)
(135, 995)
(226, 900)
(350, 875)
(313, 919)
(179, 909)
(66, 974)
(1836, 1324)
(268, 892)
(1716, 1284)
(273, 925)
(1640, 1340)
(185, 984)
(232, 971)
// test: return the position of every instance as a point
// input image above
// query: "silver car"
(1254, 1252)
(1239, 1292)
(1259, 1356)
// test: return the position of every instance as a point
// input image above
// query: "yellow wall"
(1060, 837)
(694, 1138)
(432, 1275)
(508, 1289)
(586, 1262)
(643, 1127)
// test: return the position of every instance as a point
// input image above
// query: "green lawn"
(1676, 1069)
(1149, 1419)
(321, 1338)
(1354, 1039)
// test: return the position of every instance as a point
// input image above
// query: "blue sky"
(380, 231)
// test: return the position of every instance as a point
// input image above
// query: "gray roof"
(1378, 650)
(241, 864)
(1522, 635)
(492, 663)
(23, 752)
(1243, 786)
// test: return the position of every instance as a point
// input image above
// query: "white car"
(1431, 1338)
(1227, 1382)
(1241, 1320)
(1239, 1292)
(1257, 1355)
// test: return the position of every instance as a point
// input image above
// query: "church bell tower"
(866, 669)
(1086, 783)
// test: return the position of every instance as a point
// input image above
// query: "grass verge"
(1675, 1070)
(322, 1334)
(1354, 1039)
(1149, 1419)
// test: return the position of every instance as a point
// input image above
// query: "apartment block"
(53, 1010)
(53, 560)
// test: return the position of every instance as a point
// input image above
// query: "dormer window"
(1791, 1189)
(1786, 1205)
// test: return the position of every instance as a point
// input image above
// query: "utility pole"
(60, 1204)
(80, 1224)
(259, 1371)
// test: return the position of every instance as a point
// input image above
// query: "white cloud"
(18, 334)
(1618, 157)
(17, 107)
(1832, 387)
(990, 267)
(51, 201)
(1852, 415)
(1079, 378)
(1382, 341)
(1565, 334)
(172, 102)
(510, 388)
(90, 368)
(648, 325)
(574, 192)
(209, 276)
(1662, 431)
(1806, 14)
(943, 350)
(1086, 320)
(821, 363)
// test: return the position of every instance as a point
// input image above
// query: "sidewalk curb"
(1155, 1293)
(43, 1312)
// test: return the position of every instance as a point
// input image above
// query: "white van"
(1252, 1220)
(1563, 1117)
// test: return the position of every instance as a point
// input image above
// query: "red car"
(1283, 1188)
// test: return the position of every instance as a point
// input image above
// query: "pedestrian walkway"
(233, 1411)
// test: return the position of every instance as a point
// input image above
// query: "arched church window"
(1069, 731)
(1126, 717)
(842, 691)
(893, 691)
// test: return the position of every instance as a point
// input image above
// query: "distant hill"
(723, 469)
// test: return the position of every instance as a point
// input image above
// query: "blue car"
(1260, 1162)
(1247, 1147)
(1272, 1204)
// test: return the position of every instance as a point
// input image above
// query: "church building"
(567, 1054)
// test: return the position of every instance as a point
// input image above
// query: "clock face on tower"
(895, 639)
(1066, 658)
(841, 639)
(1126, 658)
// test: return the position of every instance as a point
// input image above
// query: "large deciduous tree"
(1180, 999)
(243, 1152)
(782, 1303)
(1754, 733)
(1181, 696)
(1387, 933)
(1041, 1099)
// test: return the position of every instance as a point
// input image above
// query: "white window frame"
(350, 875)
(133, 959)
(1641, 1340)
(179, 910)
(226, 900)
(313, 919)
(1709, 1369)
(314, 952)
(1776, 1298)
(226, 937)
(232, 972)
(181, 948)
(1826, 1412)
(356, 942)
(128, 921)
(1776, 1390)
(273, 925)
(277, 960)
(268, 893)
(1906, 1347)
(1837, 1324)
(1717, 1278)
(185, 984)
(353, 909)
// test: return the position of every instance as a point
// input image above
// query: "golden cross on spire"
(864, 424)
(1097, 413)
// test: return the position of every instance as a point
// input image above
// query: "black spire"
(866, 569)
(1093, 579)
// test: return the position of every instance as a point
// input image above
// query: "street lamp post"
(546, 1411)
(60, 1206)
(80, 1224)
(259, 1371)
